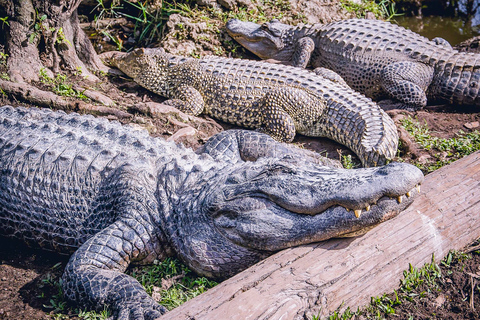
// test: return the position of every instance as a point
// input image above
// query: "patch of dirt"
(443, 121)
(457, 295)
(24, 274)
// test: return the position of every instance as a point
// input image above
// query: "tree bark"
(24, 60)
(46, 34)
(317, 279)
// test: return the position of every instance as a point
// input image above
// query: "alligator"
(111, 195)
(377, 58)
(276, 99)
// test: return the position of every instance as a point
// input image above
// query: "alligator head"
(222, 222)
(267, 40)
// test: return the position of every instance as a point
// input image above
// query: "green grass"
(185, 285)
(446, 150)
(150, 19)
(106, 9)
(3, 65)
(60, 85)
(348, 162)
(383, 9)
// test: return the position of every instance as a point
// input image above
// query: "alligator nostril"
(233, 179)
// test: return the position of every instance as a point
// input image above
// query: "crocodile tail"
(457, 80)
(360, 124)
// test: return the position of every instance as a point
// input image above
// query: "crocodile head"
(131, 63)
(267, 40)
(226, 221)
(149, 67)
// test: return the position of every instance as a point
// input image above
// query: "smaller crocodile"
(377, 58)
(280, 100)
(111, 196)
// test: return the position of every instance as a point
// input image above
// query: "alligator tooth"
(418, 188)
(409, 194)
(399, 199)
(367, 208)
(358, 213)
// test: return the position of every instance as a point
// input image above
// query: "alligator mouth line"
(358, 212)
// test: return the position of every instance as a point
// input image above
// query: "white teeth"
(358, 213)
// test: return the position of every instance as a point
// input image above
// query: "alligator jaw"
(328, 203)
(293, 229)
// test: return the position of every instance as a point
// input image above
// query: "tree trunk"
(301, 282)
(46, 34)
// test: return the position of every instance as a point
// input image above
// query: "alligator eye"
(264, 26)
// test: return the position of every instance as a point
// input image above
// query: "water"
(452, 29)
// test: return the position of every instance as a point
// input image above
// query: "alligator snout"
(291, 206)
(311, 189)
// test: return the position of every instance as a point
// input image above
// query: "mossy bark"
(46, 34)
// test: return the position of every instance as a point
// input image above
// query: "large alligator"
(377, 58)
(279, 100)
(113, 196)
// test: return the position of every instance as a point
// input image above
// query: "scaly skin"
(377, 58)
(113, 196)
(276, 99)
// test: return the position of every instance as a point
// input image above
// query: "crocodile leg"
(187, 99)
(282, 116)
(278, 123)
(442, 42)
(302, 52)
(330, 75)
(407, 82)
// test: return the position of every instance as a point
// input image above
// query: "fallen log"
(317, 279)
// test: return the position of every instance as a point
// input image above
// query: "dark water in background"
(452, 29)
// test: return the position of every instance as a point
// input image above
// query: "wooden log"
(319, 278)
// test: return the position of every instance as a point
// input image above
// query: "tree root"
(32, 95)
(95, 95)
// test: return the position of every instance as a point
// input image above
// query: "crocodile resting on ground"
(112, 196)
(277, 99)
(377, 58)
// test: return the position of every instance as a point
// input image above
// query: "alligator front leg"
(303, 52)
(407, 82)
(94, 277)
(187, 99)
